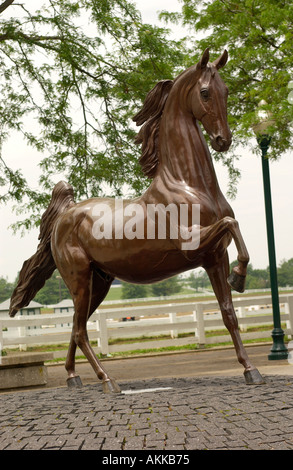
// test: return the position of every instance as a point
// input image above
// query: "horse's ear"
(221, 61)
(205, 58)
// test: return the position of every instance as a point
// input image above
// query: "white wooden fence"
(154, 320)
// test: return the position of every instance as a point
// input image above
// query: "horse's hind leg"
(88, 290)
(73, 380)
(98, 293)
(218, 277)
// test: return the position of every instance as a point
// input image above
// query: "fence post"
(173, 319)
(103, 339)
(241, 314)
(199, 332)
(22, 334)
(290, 312)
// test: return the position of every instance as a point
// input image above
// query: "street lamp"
(278, 350)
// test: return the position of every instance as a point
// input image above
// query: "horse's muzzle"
(220, 144)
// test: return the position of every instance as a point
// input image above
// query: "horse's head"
(207, 99)
(199, 91)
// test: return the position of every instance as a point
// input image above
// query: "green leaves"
(74, 74)
(258, 36)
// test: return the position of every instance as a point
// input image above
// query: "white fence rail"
(195, 318)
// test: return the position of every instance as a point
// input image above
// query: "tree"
(73, 76)
(285, 273)
(6, 289)
(53, 291)
(133, 291)
(258, 279)
(255, 278)
(167, 287)
(199, 280)
(258, 35)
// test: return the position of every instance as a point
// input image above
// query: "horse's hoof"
(74, 382)
(237, 281)
(253, 377)
(110, 386)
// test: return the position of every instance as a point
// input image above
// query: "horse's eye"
(204, 93)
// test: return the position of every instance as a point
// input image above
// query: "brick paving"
(185, 414)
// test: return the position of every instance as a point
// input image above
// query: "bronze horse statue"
(175, 155)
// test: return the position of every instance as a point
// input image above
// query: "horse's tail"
(40, 267)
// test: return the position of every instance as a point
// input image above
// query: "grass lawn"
(115, 293)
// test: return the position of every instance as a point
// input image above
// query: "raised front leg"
(218, 278)
(212, 234)
(238, 275)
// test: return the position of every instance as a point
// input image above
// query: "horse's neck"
(184, 154)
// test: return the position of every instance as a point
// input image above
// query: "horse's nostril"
(220, 142)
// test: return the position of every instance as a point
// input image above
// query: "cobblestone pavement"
(201, 413)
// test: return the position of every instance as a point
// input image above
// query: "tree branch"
(5, 5)
(4, 37)
(38, 41)
(269, 41)
(230, 9)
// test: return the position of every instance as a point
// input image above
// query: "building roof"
(4, 306)
(63, 304)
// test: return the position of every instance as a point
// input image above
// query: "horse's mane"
(150, 116)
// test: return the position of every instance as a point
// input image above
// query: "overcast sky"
(248, 205)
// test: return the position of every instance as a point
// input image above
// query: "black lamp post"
(278, 350)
